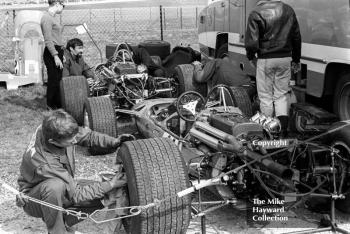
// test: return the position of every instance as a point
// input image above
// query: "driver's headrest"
(125, 46)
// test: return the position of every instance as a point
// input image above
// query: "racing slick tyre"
(157, 60)
(241, 100)
(184, 74)
(341, 141)
(156, 170)
(74, 90)
(157, 47)
(99, 115)
(342, 97)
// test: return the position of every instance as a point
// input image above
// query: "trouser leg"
(84, 207)
(264, 77)
(54, 76)
(51, 191)
(281, 85)
(281, 91)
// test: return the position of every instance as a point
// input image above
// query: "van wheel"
(184, 74)
(156, 170)
(242, 100)
(157, 47)
(74, 90)
(342, 97)
(99, 116)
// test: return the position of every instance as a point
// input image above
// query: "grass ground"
(21, 112)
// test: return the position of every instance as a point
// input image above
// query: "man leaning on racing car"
(47, 172)
(220, 71)
(73, 61)
(141, 56)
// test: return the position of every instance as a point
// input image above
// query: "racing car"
(119, 78)
(191, 142)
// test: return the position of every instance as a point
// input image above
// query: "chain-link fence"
(179, 25)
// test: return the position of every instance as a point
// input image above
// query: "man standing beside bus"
(273, 45)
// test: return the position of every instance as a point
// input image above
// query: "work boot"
(284, 125)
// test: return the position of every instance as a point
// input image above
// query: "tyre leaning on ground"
(157, 47)
(342, 97)
(184, 74)
(99, 115)
(341, 141)
(155, 169)
(242, 100)
(74, 90)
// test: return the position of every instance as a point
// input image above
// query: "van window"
(323, 22)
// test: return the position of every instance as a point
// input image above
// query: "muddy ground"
(21, 112)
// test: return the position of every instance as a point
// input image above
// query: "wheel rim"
(344, 152)
(344, 102)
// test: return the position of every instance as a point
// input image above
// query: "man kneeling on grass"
(47, 172)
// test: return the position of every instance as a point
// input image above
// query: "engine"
(127, 83)
(230, 140)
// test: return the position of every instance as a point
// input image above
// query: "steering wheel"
(189, 104)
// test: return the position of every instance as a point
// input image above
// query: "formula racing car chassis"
(190, 143)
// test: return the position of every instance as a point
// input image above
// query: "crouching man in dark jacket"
(47, 172)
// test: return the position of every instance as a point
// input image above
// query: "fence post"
(180, 17)
(115, 22)
(90, 15)
(161, 21)
(196, 17)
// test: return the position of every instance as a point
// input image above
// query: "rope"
(157, 203)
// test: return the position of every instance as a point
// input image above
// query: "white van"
(325, 31)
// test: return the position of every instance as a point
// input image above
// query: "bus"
(325, 31)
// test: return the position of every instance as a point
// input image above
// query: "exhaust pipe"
(237, 146)
(213, 142)
(272, 166)
(234, 146)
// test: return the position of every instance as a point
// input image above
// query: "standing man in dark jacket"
(53, 53)
(273, 36)
(47, 171)
(74, 64)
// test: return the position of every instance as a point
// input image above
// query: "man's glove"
(124, 137)
(119, 180)
(21, 198)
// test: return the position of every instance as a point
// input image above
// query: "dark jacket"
(76, 66)
(43, 161)
(273, 32)
(221, 71)
(179, 55)
(141, 56)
